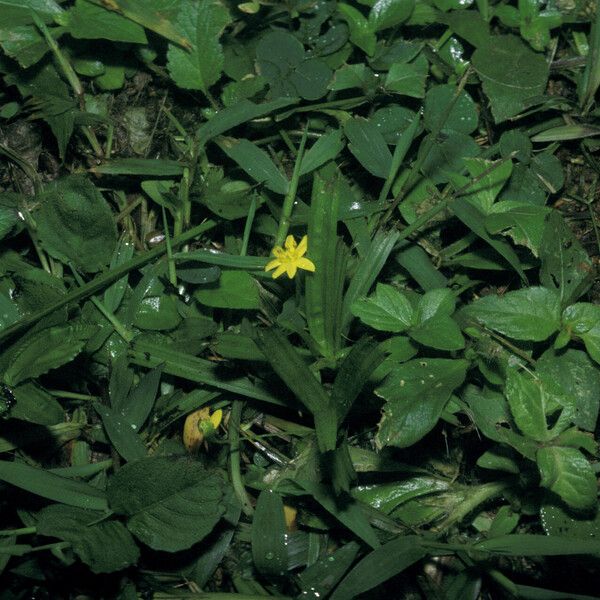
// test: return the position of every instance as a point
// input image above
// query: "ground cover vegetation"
(298, 299)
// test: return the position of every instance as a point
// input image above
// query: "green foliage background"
(415, 419)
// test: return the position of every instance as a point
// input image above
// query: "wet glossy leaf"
(567, 473)
(235, 289)
(386, 310)
(416, 393)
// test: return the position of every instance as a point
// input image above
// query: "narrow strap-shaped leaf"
(256, 162)
(195, 369)
(141, 398)
(367, 272)
(406, 139)
(288, 364)
(474, 219)
(53, 487)
(355, 370)
(324, 286)
(239, 113)
(379, 566)
(269, 536)
(121, 434)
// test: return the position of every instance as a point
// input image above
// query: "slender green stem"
(109, 316)
(104, 280)
(55, 546)
(21, 531)
(248, 226)
(288, 202)
(71, 77)
(71, 395)
(234, 457)
(170, 261)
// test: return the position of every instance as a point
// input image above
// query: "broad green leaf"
(489, 179)
(269, 537)
(469, 25)
(508, 88)
(294, 372)
(491, 414)
(170, 504)
(463, 116)
(440, 332)
(146, 167)
(416, 393)
(568, 473)
(24, 43)
(527, 314)
(46, 350)
(446, 155)
(35, 405)
(235, 289)
(528, 404)
(88, 21)
(45, 8)
(566, 266)
(368, 146)
(104, 545)
(201, 23)
(559, 520)
(579, 377)
(46, 484)
(386, 310)
(583, 321)
(380, 565)
(440, 302)
(257, 163)
(408, 79)
(160, 17)
(52, 99)
(75, 223)
(326, 148)
(521, 221)
(122, 433)
(389, 13)
(361, 30)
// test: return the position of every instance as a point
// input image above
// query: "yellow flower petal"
(303, 246)
(306, 264)
(273, 264)
(290, 242)
(216, 418)
(291, 269)
(279, 271)
(278, 251)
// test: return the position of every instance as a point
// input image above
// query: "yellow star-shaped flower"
(291, 258)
